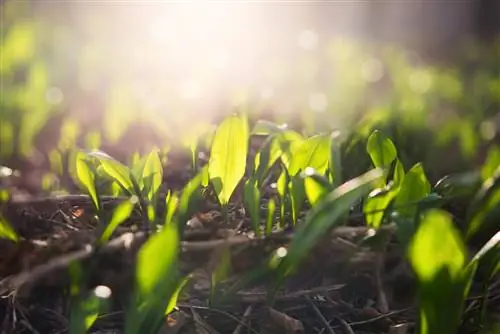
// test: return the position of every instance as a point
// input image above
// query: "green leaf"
(376, 205)
(251, 197)
(228, 156)
(327, 213)
(286, 144)
(297, 194)
(438, 257)
(266, 157)
(381, 149)
(171, 201)
(316, 185)
(120, 214)
(335, 162)
(157, 280)
(188, 201)
(414, 188)
(314, 153)
(6, 230)
(488, 257)
(222, 269)
(399, 173)
(116, 171)
(491, 164)
(271, 209)
(485, 204)
(172, 303)
(150, 173)
(87, 177)
(458, 185)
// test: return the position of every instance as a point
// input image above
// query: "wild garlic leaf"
(228, 156)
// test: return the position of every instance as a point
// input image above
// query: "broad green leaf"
(327, 214)
(87, 177)
(151, 174)
(251, 197)
(151, 267)
(157, 280)
(491, 164)
(115, 170)
(314, 153)
(376, 205)
(415, 187)
(271, 209)
(316, 185)
(381, 149)
(6, 230)
(485, 203)
(228, 156)
(438, 257)
(120, 214)
(286, 144)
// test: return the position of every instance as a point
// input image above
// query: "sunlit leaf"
(6, 230)
(323, 217)
(399, 173)
(228, 156)
(314, 153)
(172, 303)
(251, 197)
(172, 202)
(316, 185)
(271, 209)
(414, 188)
(381, 149)
(491, 164)
(87, 177)
(189, 199)
(297, 195)
(115, 170)
(376, 204)
(438, 257)
(152, 174)
(120, 214)
(157, 280)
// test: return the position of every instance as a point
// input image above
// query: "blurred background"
(126, 75)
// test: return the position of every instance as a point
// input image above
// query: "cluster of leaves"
(303, 171)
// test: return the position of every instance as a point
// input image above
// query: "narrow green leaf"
(172, 202)
(381, 149)
(297, 194)
(399, 173)
(228, 156)
(438, 257)
(271, 209)
(327, 213)
(188, 200)
(486, 203)
(488, 257)
(314, 153)
(335, 162)
(86, 177)
(251, 197)
(175, 297)
(6, 230)
(458, 185)
(222, 269)
(491, 164)
(120, 214)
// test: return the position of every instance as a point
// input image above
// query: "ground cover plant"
(353, 187)
(276, 226)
